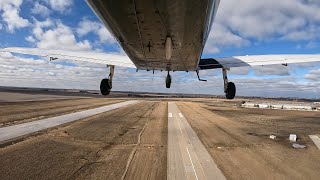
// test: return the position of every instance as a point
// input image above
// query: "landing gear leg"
(168, 80)
(106, 84)
(229, 87)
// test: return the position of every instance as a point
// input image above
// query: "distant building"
(264, 105)
(299, 107)
(277, 106)
(250, 105)
(303, 107)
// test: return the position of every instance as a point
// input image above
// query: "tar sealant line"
(11, 132)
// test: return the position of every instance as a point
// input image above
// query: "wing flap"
(86, 56)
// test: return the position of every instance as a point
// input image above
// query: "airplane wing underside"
(86, 56)
(209, 63)
(257, 60)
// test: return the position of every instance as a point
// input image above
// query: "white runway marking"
(170, 115)
(187, 157)
(195, 173)
(15, 131)
(180, 127)
(316, 140)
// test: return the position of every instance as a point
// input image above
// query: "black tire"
(168, 81)
(105, 87)
(231, 91)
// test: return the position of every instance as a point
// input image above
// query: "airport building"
(303, 107)
(277, 106)
(299, 107)
(250, 105)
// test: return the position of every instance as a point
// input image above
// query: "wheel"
(168, 81)
(231, 91)
(105, 87)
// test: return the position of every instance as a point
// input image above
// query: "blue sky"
(246, 28)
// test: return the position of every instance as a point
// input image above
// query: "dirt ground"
(21, 112)
(126, 143)
(237, 139)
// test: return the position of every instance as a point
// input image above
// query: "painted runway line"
(18, 130)
(187, 157)
(316, 140)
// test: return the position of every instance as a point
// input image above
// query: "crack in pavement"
(133, 152)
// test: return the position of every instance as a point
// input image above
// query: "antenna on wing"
(53, 58)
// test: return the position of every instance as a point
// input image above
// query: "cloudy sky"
(246, 28)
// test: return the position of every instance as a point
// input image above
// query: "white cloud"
(40, 9)
(259, 19)
(55, 35)
(30, 39)
(276, 87)
(10, 10)
(86, 26)
(278, 70)
(252, 20)
(313, 75)
(16, 3)
(240, 70)
(60, 5)
(223, 37)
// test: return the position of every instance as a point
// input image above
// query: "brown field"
(237, 139)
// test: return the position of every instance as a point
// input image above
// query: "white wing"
(95, 57)
(258, 60)
(212, 63)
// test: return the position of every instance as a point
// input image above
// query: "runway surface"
(11, 132)
(187, 157)
(316, 140)
(21, 97)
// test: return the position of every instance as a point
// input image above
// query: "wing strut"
(197, 71)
